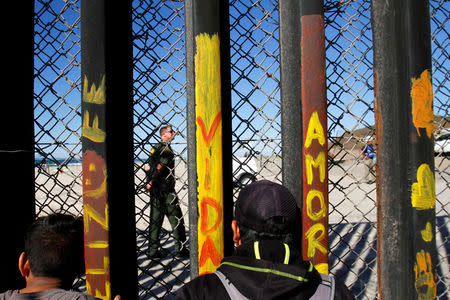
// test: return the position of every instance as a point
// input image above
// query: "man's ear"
(24, 265)
(236, 233)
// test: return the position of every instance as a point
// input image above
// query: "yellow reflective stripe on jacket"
(266, 270)
(287, 253)
(256, 248)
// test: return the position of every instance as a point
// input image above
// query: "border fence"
(259, 134)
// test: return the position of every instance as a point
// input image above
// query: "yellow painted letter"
(313, 241)
(319, 162)
(315, 131)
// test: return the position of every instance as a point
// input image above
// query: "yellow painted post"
(209, 123)
(209, 152)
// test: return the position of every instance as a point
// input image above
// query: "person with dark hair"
(369, 155)
(265, 263)
(160, 182)
(53, 257)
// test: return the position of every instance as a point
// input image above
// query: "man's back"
(272, 277)
(265, 264)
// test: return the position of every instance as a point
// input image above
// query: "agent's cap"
(265, 200)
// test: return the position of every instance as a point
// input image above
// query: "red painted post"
(315, 147)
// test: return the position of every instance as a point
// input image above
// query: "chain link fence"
(352, 190)
(440, 42)
(160, 98)
(57, 106)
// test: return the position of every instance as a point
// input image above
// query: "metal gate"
(159, 86)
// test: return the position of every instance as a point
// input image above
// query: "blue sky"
(159, 73)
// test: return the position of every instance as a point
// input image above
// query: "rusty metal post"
(291, 111)
(17, 146)
(407, 254)
(315, 137)
(107, 127)
(209, 125)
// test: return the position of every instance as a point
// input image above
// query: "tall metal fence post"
(108, 176)
(17, 146)
(210, 114)
(291, 111)
(191, 140)
(407, 254)
(315, 137)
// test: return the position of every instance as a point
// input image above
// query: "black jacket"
(264, 278)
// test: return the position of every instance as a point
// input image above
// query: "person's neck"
(38, 284)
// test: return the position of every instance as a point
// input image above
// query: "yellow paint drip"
(422, 103)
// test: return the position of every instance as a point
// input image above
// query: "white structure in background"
(442, 142)
(244, 170)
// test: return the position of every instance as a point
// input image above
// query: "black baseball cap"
(265, 200)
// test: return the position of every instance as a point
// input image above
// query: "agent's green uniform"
(163, 199)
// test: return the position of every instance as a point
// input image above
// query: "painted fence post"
(407, 254)
(17, 144)
(291, 110)
(315, 137)
(209, 124)
(108, 176)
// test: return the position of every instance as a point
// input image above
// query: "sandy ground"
(352, 217)
(351, 198)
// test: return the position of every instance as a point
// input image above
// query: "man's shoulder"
(8, 294)
(157, 147)
(206, 286)
(67, 295)
(331, 286)
(161, 148)
(53, 294)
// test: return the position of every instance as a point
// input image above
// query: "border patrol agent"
(160, 182)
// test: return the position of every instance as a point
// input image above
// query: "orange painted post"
(210, 110)
(406, 226)
(108, 185)
(315, 147)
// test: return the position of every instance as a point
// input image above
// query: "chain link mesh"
(255, 87)
(57, 103)
(440, 42)
(160, 97)
(352, 189)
